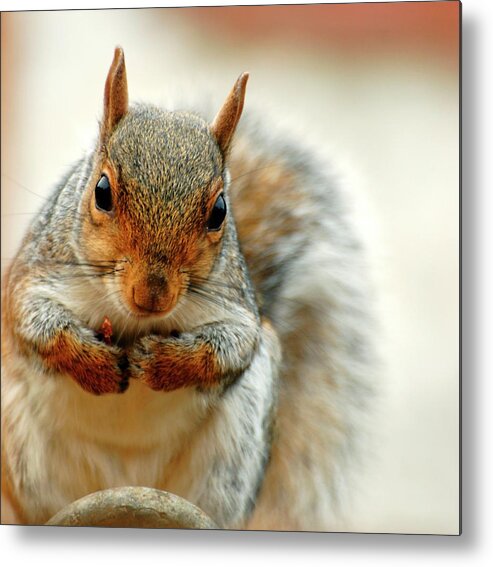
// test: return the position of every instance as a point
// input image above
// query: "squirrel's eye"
(217, 215)
(103, 194)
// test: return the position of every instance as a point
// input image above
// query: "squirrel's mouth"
(144, 312)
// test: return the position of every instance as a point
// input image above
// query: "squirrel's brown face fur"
(165, 173)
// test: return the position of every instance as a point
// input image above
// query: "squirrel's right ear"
(115, 96)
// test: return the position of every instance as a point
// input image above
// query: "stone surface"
(133, 507)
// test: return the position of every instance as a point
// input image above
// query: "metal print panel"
(230, 268)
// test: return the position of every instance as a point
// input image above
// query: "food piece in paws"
(105, 331)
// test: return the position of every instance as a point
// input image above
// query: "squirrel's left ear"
(224, 124)
(115, 95)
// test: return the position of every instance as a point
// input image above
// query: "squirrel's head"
(155, 207)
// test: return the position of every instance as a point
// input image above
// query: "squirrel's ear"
(115, 95)
(224, 124)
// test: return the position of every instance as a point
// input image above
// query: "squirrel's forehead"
(159, 148)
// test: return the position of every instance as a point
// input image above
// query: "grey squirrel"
(235, 365)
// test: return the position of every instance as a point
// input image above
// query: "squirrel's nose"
(152, 294)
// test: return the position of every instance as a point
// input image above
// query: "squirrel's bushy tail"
(309, 274)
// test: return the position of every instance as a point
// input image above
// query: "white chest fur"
(89, 442)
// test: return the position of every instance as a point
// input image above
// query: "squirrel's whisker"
(10, 178)
(209, 297)
(85, 275)
(251, 171)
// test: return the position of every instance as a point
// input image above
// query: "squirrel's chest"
(85, 443)
(139, 419)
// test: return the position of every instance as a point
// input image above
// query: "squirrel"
(236, 368)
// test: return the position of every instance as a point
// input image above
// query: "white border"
(19, 546)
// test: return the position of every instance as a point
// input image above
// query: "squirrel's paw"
(166, 364)
(98, 368)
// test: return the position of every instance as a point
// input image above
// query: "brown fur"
(167, 366)
(148, 281)
(95, 367)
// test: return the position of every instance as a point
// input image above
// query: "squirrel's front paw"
(166, 364)
(95, 366)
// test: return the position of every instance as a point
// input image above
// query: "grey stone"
(133, 507)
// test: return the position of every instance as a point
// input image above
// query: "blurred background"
(374, 87)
